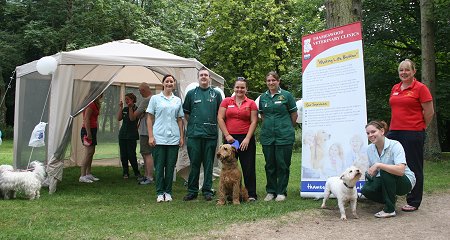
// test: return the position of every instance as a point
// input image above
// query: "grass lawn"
(114, 208)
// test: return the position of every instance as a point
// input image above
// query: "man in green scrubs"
(200, 111)
(279, 114)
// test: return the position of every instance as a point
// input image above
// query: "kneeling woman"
(388, 174)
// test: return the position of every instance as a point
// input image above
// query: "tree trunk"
(432, 148)
(342, 12)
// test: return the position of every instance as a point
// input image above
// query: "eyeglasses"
(241, 79)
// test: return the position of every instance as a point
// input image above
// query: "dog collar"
(345, 184)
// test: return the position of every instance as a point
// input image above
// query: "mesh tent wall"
(80, 77)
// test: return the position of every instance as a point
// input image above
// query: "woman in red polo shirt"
(89, 138)
(411, 112)
(237, 118)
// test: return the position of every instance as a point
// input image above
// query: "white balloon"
(299, 104)
(221, 92)
(190, 87)
(46, 65)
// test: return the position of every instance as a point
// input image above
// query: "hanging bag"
(38, 135)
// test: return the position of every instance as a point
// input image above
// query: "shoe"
(167, 197)
(189, 197)
(269, 197)
(84, 179)
(251, 199)
(208, 197)
(140, 178)
(382, 214)
(125, 176)
(146, 181)
(160, 198)
(92, 177)
(408, 208)
(280, 198)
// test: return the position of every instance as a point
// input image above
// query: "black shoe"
(208, 197)
(189, 197)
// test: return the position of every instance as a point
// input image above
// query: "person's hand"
(229, 138)
(244, 144)
(121, 104)
(130, 104)
(373, 170)
(181, 142)
(151, 141)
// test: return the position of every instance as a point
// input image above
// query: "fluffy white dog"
(4, 168)
(343, 188)
(28, 182)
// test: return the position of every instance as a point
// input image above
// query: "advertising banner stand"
(334, 107)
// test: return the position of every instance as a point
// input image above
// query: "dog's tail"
(244, 194)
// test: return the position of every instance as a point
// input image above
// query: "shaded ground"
(431, 221)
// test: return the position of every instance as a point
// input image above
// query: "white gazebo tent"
(80, 77)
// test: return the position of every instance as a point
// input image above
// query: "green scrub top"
(129, 129)
(202, 106)
(277, 125)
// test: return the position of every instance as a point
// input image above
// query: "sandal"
(408, 208)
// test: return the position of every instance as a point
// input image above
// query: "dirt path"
(431, 221)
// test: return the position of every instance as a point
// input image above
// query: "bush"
(7, 131)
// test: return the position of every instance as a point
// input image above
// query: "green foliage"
(251, 38)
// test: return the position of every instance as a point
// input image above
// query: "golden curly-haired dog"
(230, 177)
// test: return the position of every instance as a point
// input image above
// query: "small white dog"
(343, 188)
(4, 168)
(28, 182)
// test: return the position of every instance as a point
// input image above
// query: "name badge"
(395, 94)
(230, 106)
(197, 101)
(277, 102)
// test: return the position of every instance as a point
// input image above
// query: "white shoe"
(383, 214)
(92, 177)
(167, 197)
(280, 198)
(84, 179)
(269, 197)
(160, 198)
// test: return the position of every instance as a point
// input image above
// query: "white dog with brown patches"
(343, 188)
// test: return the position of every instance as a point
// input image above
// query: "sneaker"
(160, 198)
(125, 176)
(167, 197)
(251, 199)
(269, 197)
(383, 214)
(146, 181)
(141, 178)
(280, 198)
(92, 177)
(208, 197)
(84, 179)
(189, 197)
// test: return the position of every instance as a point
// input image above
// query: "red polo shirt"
(238, 119)
(94, 115)
(406, 108)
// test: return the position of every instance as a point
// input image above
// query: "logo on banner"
(307, 47)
